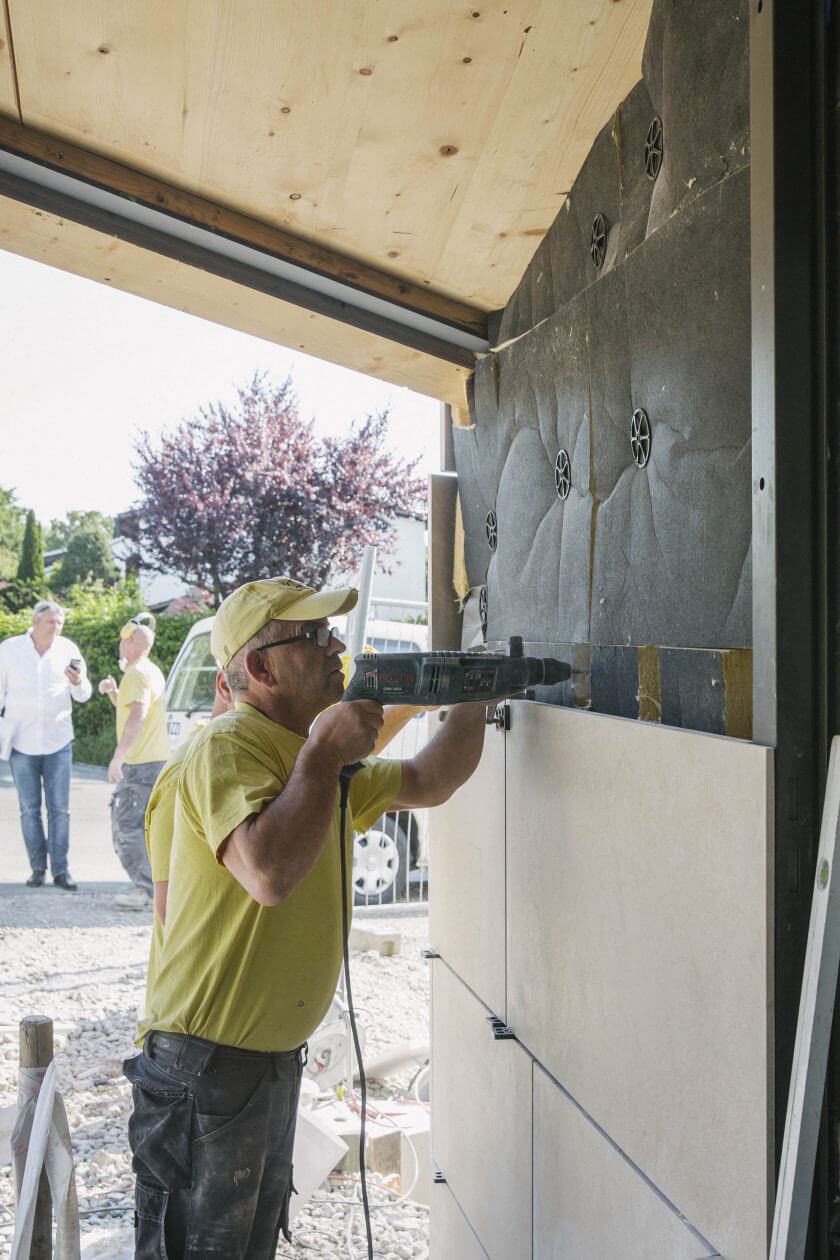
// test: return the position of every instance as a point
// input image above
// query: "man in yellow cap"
(141, 751)
(252, 949)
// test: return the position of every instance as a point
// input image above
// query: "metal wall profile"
(130, 220)
(792, 581)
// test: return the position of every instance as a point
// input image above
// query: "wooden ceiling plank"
(72, 160)
(285, 134)
(588, 74)
(327, 120)
(9, 103)
(59, 242)
(442, 106)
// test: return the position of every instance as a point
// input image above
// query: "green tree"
(88, 556)
(31, 566)
(60, 532)
(12, 518)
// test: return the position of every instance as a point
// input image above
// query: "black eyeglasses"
(321, 636)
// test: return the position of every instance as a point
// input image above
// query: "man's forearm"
(81, 692)
(161, 891)
(271, 853)
(447, 761)
(130, 732)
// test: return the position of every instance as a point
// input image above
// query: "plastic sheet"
(41, 1140)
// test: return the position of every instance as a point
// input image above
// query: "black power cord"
(344, 786)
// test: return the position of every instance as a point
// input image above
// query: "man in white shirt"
(40, 672)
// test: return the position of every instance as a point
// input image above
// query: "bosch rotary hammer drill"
(446, 678)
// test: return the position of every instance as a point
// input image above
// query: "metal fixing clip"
(500, 1030)
(499, 716)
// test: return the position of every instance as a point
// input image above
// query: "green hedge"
(94, 619)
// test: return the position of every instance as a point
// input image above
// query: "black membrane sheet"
(660, 554)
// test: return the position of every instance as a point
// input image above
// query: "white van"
(390, 862)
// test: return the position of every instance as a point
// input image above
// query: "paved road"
(93, 861)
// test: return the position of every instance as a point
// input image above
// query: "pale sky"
(85, 367)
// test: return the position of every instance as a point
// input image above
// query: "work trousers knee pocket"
(150, 1205)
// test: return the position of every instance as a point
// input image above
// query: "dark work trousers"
(211, 1134)
(128, 820)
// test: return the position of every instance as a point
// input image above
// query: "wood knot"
(365, 70)
(448, 150)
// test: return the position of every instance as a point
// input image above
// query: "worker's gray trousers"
(128, 820)
(211, 1134)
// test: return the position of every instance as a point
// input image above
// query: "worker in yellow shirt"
(253, 943)
(141, 751)
(159, 824)
(160, 812)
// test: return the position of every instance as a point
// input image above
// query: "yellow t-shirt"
(231, 970)
(143, 681)
(160, 820)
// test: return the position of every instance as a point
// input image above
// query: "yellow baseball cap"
(249, 607)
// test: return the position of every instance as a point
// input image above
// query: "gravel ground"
(83, 962)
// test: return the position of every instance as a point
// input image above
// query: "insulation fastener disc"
(491, 530)
(640, 437)
(482, 610)
(654, 148)
(598, 242)
(562, 474)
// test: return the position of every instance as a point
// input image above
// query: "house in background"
(399, 580)
(160, 590)
(397, 593)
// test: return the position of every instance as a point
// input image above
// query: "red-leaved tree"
(249, 491)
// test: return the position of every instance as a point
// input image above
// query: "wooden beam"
(445, 617)
(147, 190)
(60, 242)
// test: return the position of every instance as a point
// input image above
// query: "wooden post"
(36, 1051)
(444, 618)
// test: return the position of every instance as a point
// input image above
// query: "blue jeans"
(27, 772)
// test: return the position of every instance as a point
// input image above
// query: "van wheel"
(380, 863)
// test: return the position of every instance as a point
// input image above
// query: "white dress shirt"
(36, 692)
